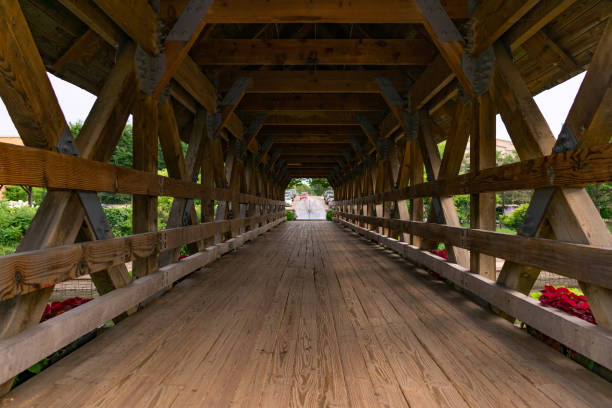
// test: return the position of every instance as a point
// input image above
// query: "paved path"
(311, 208)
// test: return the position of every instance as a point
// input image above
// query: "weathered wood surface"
(56, 171)
(583, 262)
(25, 272)
(575, 168)
(588, 339)
(309, 315)
(307, 52)
(25, 349)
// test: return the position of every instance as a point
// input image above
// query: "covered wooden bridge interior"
(263, 91)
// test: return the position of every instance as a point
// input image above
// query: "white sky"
(76, 104)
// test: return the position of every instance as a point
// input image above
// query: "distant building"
(14, 140)
(501, 145)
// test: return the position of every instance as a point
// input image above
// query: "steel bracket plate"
(479, 70)
(150, 69)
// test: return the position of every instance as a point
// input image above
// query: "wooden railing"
(589, 264)
(576, 168)
(60, 171)
(590, 340)
(26, 272)
(21, 351)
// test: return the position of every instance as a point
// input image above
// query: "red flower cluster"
(563, 299)
(57, 308)
(441, 254)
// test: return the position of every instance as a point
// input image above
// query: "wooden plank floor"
(312, 315)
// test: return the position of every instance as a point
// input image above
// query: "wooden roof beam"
(313, 52)
(137, 19)
(316, 130)
(325, 11)
(446, 38)
(289, 118)
(336, 81)
(312, 102)
(537, 18)
(492, 19)
(230, 101)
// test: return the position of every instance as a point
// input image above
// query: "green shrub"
(120, 220)
(462, 203)
(290, 216)
(515, 218)
(16, 193)
(330, 215)
(14, 222)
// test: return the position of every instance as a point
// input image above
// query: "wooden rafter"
(313, 52)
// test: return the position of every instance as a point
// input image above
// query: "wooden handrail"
(25, 272)
(582, 262)
(21, 351)
(575, 168)
(593, 341)
(64, 172)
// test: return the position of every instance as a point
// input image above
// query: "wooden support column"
(208, 181)
(185, 168)
(482, 156)
(403, 211)
(443, 207)
(416, 177)
(144, 218)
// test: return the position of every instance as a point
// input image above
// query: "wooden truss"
(263, 91)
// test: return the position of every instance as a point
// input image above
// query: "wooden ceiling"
(312, 66)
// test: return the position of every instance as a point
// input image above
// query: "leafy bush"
(16, 193)
(290, 216)
(330, 215)
(462, 203)
(164, 204)
(515, 218)
(120, 220)
(14, 222)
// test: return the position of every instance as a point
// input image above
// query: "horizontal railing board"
(595, 342)
(25, 349)
(28, 166)
(582, 262)
(25, 272)
(575, 168)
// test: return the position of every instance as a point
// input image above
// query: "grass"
(609, 227)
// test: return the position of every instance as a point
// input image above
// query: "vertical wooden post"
(207, 212)
(144, 218)
(416, 177)
(482, 156)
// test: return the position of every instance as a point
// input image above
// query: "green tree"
(515, 218)
(601, 194)
(319, 185)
